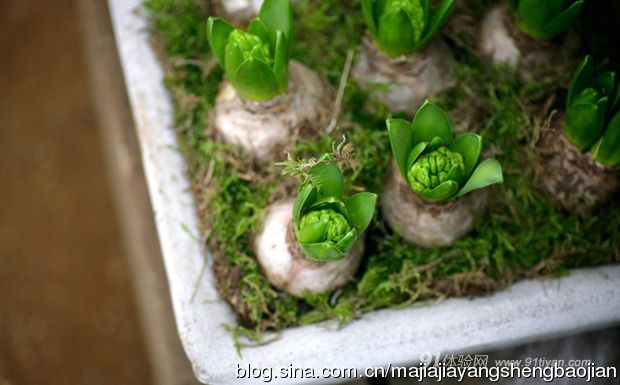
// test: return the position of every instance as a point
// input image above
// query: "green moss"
(522, 235)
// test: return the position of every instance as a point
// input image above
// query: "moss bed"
(522, 236)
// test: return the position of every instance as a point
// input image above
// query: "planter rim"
(527, 311)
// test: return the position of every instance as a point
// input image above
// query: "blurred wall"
(66, 303)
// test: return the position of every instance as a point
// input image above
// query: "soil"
(66, 303)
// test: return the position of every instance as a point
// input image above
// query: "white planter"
(527, 311)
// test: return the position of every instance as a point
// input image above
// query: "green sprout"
(401, 27)
(544, 19)
(326, 225)
(438, 168)
(256, 61)
(593, 112)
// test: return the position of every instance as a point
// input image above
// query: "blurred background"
(68, 309)
(67, 313)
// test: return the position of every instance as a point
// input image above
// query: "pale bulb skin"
(496, 41)
(241, 9)
(429, 224)
(266, 130)
(286, 266)
(404, 82)
(502, 42)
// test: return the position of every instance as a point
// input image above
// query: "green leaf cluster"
(401, 27)
(544, 19)
(437, 167)
(326, 225)
(256, 61)
(593, 112)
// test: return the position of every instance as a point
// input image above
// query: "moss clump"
(522, 235)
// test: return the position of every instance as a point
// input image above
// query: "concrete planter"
(527, 311)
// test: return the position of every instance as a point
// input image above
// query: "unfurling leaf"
(488, 172)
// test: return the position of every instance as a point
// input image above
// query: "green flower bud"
(434, 168)
(413, 9)
(242, 46)
(324, 225)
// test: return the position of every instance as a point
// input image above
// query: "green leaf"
(347, 242)
(556, 7)
(533, 15)
(437, 19)
(329, 179)
(277, 15)
(615, 104)
(312, 233)
(562, 22)
(233, 58)
(322, 252)
(434, 144)
(431, 121)
(217, 33)
(369, 16)
(607, 150)
(583, 125)
(443, 192)
(488, 172)
(425, 8)
(255, 80)
(258, 28)
(580, 80)
(361, 208)
(305, 197)
(395, 33)
(469, 145)
(606, 83)
(456, 175)
(280, 67)
(401, 141)
(589, 95)
(602, 106)
(332, 203)
(418, 150)
(415, 12)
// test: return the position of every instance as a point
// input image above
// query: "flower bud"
(324, 225)
(243, 45)
(413, 9)
(434, 168)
